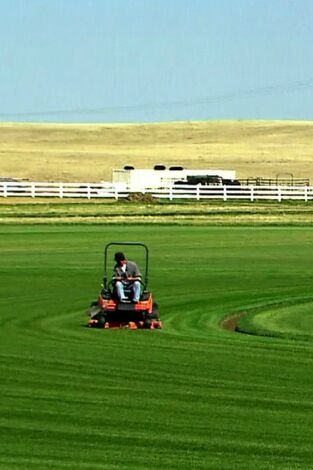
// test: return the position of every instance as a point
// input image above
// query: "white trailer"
(162, 178)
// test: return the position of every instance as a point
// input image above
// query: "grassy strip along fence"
(52, 211)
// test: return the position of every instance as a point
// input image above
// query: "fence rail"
(198, 192)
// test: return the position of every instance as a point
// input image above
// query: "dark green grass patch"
(55, 211)
(189, 396)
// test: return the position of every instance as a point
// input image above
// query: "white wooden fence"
(199, 192)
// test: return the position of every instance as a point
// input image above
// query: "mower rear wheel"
(155, 314)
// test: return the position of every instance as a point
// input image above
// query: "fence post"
(116, 193)
(198, 191)
(224, 193)
(61, 190)
(251, 193)
(33, 189)
(5, 189)
(279, 194)
(88, 191)
(171, 193)
(306, 193)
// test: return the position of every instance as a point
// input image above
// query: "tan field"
(89, 152)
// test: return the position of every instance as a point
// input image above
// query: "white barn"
(160, 176)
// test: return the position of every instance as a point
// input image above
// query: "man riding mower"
(124, 301)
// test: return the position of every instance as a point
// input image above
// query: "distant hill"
(88, 152)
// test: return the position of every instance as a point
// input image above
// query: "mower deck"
(131, 325)
(110, 313)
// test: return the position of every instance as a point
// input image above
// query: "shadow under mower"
(109, 312)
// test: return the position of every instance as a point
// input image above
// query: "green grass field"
(192, 395)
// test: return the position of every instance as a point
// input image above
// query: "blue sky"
(155, 60)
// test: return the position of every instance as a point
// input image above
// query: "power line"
(153, 106)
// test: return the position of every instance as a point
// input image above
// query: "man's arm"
(134, 278)
(135, 274)
(118, 275)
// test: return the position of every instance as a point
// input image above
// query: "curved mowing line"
(233, 322)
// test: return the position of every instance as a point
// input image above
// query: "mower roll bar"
(105, 279)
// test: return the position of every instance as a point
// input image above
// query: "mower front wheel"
(147, 323)
(155, 314)
(101, 320)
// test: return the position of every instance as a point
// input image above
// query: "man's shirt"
(130, 269)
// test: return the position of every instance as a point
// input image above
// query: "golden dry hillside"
(88, 152)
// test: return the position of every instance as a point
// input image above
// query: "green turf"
(190, 396)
